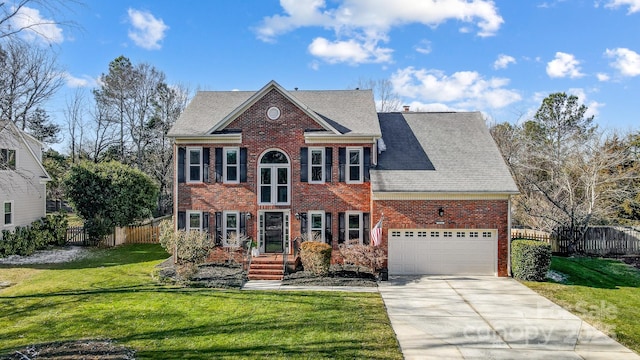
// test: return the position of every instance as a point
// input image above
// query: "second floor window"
(231, 165)
(316, 165)
(7, 159)
(354, 165)
(194, 166)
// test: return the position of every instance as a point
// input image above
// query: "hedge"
(530, 260)
(24, 240)
(315, 257)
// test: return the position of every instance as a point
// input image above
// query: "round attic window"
(273, 113)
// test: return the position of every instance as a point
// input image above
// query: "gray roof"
(350, 112)
(461, 155)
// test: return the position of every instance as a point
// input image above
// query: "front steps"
(268, 267)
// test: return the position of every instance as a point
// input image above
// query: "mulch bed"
(205, 275)
(73, 350)
(339, 275)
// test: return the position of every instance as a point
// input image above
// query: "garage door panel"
(454, 252)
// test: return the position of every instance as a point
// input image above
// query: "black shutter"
(367, 163)
(303, 225)
(218, 239)
(205, 164)
(182, 220)
(366, 228)
(341, 228)
(218, 155)
(205, 222)
(327, 228)
(182, 153)
(304, 164)
(243, 165)
(243, 223)
(328, 162)
(342, 160)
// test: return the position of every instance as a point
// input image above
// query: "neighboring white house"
(23, 179)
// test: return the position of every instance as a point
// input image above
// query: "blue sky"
(499, 57)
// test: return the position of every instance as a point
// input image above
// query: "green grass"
(605, 293)
(113, 295)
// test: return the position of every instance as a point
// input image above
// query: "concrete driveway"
(482, 317)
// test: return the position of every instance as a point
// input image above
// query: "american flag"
(376, 233)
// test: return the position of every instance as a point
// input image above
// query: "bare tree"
(74, 114)
(386, 99)
(18, 17)
(29, 76)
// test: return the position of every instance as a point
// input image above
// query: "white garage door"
(443, 251)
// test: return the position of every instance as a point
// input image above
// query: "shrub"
(367, 256)
(530, 259)
(191, 246)
(235, 242)
(316, 257)
(25, 240)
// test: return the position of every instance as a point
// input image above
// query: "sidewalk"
(277, 285)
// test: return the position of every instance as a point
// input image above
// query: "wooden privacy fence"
(597, 240)
(133, 234)
(77, 235)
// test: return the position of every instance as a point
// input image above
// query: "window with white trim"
(194, 220)
(316, 165)
(231, 225)
(316, 225)
(7, 159)
(274, 181)
(8, 213)
(231, 165)
(354, 227)
(354, 166)
(194, 164)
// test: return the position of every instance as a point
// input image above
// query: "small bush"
(530, 260)
(25, 240)
(316, 257)
(367, 256)
(191, 246)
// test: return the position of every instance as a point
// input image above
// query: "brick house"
(276, 164)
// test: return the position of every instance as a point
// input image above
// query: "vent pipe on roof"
(406, 108)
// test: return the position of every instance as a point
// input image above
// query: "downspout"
(509, 236)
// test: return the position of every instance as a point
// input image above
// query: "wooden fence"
(133, 234)
(597, 240)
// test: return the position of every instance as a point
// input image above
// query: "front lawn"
(112, 295)
(605, 293)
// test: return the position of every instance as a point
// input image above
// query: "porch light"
(441, 212)
(248, 215)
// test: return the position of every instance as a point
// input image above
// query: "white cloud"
(369, 21)
(350, 51)
(147, 31)
(424, 47)
(592, 105)
(503, 61)
(463, 88)
(626, 61)
(36, 27)
(634, 5)
(79, 82)
(564, 65)
(603, 77)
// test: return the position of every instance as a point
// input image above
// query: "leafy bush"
(25, 240)
(367, 256)
(316, 257)
(188, 246)
(530, 260)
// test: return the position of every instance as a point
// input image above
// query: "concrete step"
(265, 277)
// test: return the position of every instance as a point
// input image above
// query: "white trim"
(187, 225)
(286, 228)
(347, 170)
(226, 229)
(235, 138)
(380, 196)
(310, 165)
(322, 225)
(360, 215)
(224, 165)
(13, 213)
(274, 178)
(325, 138)
(189, 164)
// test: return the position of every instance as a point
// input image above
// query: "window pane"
(354, 221)
(354, 234)
(274, 157)
(282, 176)
(7, 219)
(7, 207)
(316, 173)
(282, 194)
(232, 157)
(354, 173)
(12, 160)
(194, 157)
(265, 194)
(316, 157)
(265, 176)
(232, 173)
(194, 172)
(232, 221)
(194, 221)
(316, 221)
(354, 157)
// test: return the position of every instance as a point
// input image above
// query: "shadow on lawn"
(596, 272)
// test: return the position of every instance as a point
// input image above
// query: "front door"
(273, 232)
